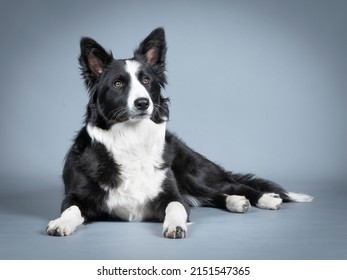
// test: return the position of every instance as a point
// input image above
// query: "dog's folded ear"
(152, 51)
(93, 60)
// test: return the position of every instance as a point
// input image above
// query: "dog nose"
(141, 103)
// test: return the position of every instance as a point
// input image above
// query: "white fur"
(198, 202)
(69, 220)
(137, 90)
(175, 218)
(137, 147)
(299, 197)
(237, 203)
(194, 202)
(270, 201)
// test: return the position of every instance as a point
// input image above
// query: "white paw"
(61, 227)
(175, 232)
(271, 201)
(175, 223)
(69, 220)
(237, 203)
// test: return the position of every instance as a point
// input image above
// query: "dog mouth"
(139, 116)
(124, 114)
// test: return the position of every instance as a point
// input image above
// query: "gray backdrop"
(257, 86)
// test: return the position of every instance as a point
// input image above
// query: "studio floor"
(314, 230)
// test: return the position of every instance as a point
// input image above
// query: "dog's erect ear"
(93, 60)
(152, 50)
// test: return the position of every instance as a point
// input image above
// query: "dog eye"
(145, 80)
(118, 84)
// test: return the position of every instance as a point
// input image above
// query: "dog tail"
(297, 197)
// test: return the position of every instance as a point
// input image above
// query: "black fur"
(89, 165)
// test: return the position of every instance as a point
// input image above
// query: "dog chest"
(137, 149)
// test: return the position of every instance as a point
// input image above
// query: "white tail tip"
(299, 197)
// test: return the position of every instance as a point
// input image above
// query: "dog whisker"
(119, 113)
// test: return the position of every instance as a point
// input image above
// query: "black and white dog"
(125, 165)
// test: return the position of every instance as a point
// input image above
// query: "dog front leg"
(175, 222)
(67, 223)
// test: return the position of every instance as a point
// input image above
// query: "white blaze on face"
(137, 90)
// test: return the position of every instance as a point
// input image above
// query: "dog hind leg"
(239, 198)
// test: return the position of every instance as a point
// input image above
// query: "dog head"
(123, 90)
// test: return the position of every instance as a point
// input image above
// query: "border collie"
(125, 165)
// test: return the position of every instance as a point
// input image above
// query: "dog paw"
(175, 232)
(271, 201)
(237, 203)
(69, 220)
(175, 222)
(60, 227)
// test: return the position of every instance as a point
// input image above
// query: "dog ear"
(93, 60)
(152, 51)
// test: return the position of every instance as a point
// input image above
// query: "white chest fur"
(137, 147)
